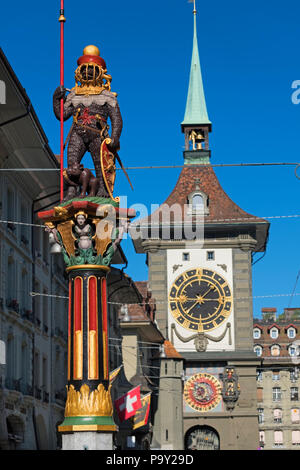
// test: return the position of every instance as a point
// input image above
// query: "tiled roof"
(170, 350)
(146, 309)
(266, 342)
(220, 205)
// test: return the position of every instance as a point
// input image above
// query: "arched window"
(197, 203)
(275, 350)
(277, 413)
(258, 350)
(291, 332)
(256, 333)
(274, 333)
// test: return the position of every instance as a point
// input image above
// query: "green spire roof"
(195, 111)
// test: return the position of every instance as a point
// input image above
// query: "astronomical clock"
(202, 392)
(200, 300)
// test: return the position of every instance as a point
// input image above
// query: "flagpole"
(62, 20)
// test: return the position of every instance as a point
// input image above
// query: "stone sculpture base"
(87, 440)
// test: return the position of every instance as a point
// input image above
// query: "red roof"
(221, 207)
(144, 311)
(271, 326)
(170, 350)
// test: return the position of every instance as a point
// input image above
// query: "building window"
(291, 332)
(259, 376)
(261, 417)
(275, 350)
(294, 394)
(277, 415)
(293, 351)
(185, 257)
(278, 438)
(210, 255)
(274, 333)
(10, 201)
(197, 203)
(256, 333)
(296, 438)
(276, 393)
(275, 375)
(24, 228)
(262, 438)
(293, 375)
(295, 415)
(258, 350)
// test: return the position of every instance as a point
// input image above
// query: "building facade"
(276, 343)
(32, 328)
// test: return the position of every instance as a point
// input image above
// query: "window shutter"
(295, 415)
(295, 437)
(278, 437)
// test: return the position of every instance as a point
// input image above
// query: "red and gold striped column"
(89, 405)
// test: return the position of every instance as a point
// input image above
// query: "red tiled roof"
(170, 350)
(273, 325)
(220, 205)
(145, 310)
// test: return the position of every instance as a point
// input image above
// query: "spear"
(62, 20)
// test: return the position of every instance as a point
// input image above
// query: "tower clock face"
(200, 300)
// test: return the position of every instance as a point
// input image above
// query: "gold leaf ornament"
(87, 403)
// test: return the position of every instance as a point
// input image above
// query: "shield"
(108, 167)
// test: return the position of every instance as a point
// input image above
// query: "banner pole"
(62, 20)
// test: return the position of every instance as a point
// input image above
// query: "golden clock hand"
(220, 300)
(185, 299)
(211, 288)
(188, 311)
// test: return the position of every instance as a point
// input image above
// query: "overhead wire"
(159, 167)
(293, 293)
(33, 294)
(236, 219)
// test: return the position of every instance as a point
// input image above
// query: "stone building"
(199, 246)
(32, 328)
(139, 341)
(276, 343)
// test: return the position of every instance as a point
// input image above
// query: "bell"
(54, 246)
(200, 137)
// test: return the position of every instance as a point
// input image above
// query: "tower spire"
(196, 116)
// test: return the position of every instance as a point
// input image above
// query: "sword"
(121, 165)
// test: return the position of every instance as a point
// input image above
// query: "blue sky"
(249, 54)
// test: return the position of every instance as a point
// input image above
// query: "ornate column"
(87, 233)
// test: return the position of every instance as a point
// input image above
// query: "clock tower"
(199, 247)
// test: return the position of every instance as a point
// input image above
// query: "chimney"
(269, 314)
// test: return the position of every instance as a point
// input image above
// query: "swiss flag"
(128, 404)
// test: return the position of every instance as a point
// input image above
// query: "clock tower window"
(210, 255)
(198, 202)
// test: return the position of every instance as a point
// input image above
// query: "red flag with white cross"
(128, 404)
